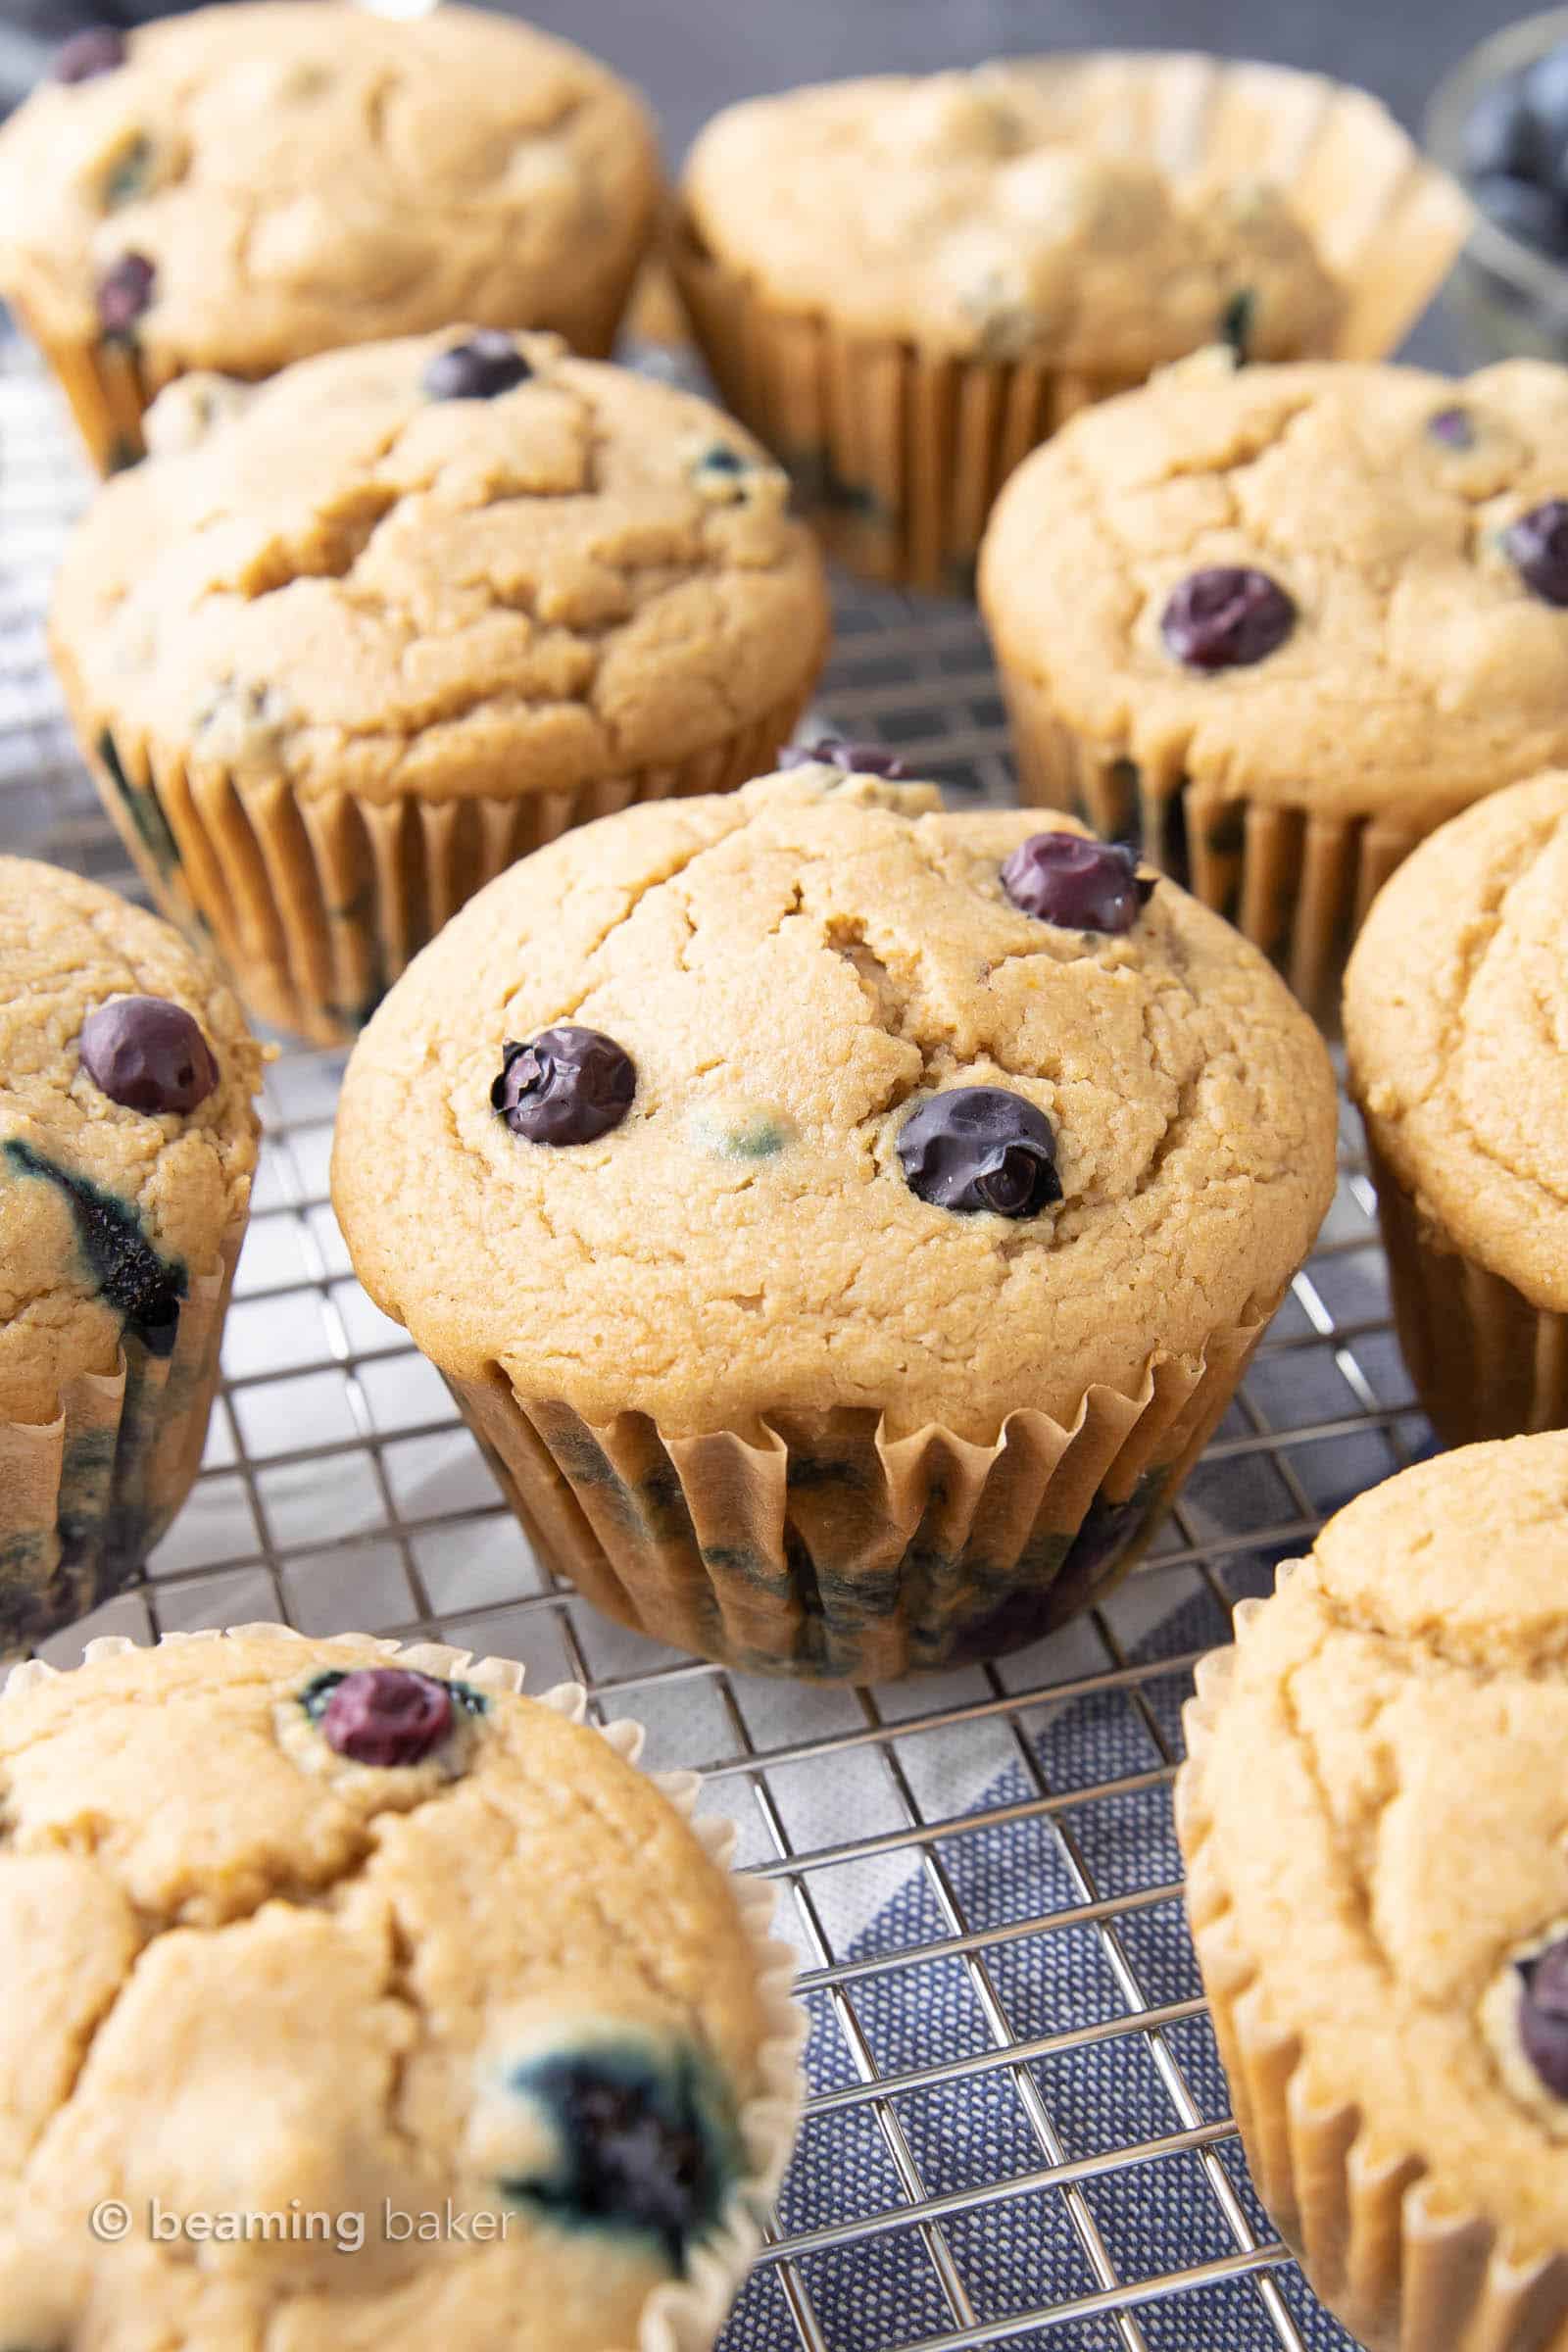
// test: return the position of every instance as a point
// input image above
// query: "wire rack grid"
(1018, 2131)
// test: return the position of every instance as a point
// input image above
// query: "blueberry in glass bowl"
(1499, 124)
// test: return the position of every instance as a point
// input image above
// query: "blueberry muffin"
(903, 283)
(342, 655)
(383, 2006)
(1371, 1815)
(1457, 1026)
(127, 1142)
(239, 188)
(842, 1222)
(1280, 622)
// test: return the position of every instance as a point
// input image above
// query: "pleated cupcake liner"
(1296, 881)
(686, 2314)
(1485, 1361)
(83, 1497)
(898, 450)
(817, 1545)
(109, 382)
(316, 902)
(1382, 2245)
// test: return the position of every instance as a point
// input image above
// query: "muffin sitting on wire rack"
(1279, 624)
(412, 611)
(844, 1223)
(242, 186)
(902, 285)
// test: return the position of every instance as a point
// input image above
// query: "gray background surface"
(695, 56)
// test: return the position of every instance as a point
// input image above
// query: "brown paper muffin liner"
(84, 1497)
(684, 2315)
(818, 1545)
(1294, 880)
(111, 382)
(1485, 1361)
(316, 904)
(1381, 2247)
(898, 451)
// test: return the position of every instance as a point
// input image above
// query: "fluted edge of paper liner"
(317, 902)
(1381, 2244)
(683, 2315)
(901, 451)
(113, 1466)
(1486, 1362)
(924, 1552)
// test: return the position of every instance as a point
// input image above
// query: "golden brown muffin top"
(106, 1211)
(305, 175)
(362, 584)
(795, 970)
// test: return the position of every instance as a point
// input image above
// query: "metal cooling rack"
(339, 1490)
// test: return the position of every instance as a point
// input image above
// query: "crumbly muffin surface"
(1456, 1022)
(794, 970)
(1373, 1822)
(252, 1975)
(87, 1185)
(1420, 666)
(303, 175)
(978, 212)
(361, 587)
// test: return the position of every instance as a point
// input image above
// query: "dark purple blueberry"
(980, 1148)
(1454, 428)
(1226, 617)
(96, 49)
(488, 363)
(124, 292)
(642, 2142)
(1501, 134)
(570, 1086)
(148, 1054)
(855, 758)
(1543, 2015)
(1537, 546)
(1081, 883)
(386, 1715)
(1535, 214)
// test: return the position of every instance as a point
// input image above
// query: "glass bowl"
(1512, 296)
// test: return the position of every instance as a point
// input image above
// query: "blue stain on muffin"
(640, 2137)
(145, 1289)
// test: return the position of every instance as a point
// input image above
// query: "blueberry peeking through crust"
(1082, 885)
(568, 1085)
(1226, 617)
(386, 1715)
(1537, 546)
(1544, 2014)
(1453, 427)
(855, 758)
(979, 1148)
(148, 1054)
(124, 292)
(640, 2140)
(142, 1287)
(487, 364)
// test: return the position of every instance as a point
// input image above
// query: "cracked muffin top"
(813, 1096)
(325, 1929)
(459, 564)
(979, 212)
(303, 176)
(128, 1138)
(1457, 1026)
(1342, 586)
(1374, 1826)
